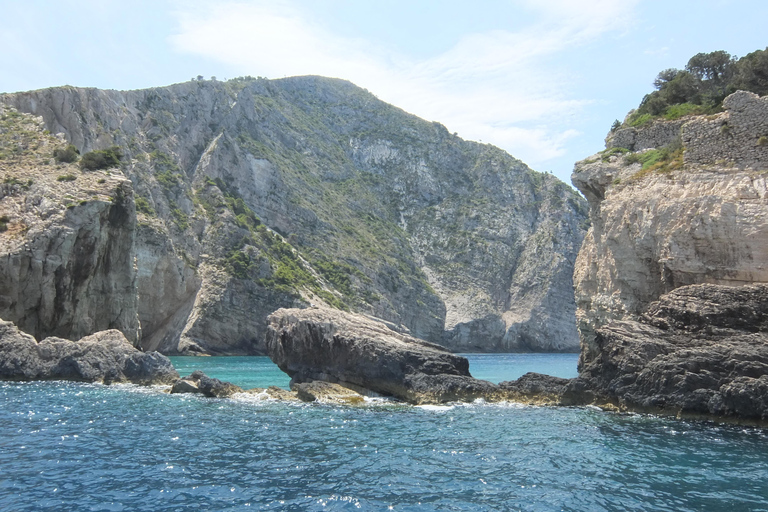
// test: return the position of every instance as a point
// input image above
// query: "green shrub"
(101, 159)
(683, 109)
(66, 155)
(608, 153)
(167, 172)
(180, 218)
(638, 119)
(763, 141)
(143, 206)
(4, 219)
(66, 177)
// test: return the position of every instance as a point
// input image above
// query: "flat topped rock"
(322, 344)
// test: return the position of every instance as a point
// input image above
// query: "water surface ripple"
(70, 446)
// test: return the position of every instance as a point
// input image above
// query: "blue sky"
(542, 80)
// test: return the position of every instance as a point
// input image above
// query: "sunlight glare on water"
(71, 446)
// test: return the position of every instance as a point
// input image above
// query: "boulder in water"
(106, 356)
(323, 344)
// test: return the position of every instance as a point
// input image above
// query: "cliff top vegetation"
(701, 87)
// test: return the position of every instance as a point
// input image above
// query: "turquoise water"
(260, 372)
(82, 447)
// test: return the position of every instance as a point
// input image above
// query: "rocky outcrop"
(255, 195)
(106, 357)
(657, 230)
(66, 239)
(665, 219)
(320, 344)
(199, 383)
(700, 349)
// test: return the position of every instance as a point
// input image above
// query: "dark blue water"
(68, 446)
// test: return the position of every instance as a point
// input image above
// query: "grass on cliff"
(657, 161)
(289, 272)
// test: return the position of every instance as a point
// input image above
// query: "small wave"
(436, 408)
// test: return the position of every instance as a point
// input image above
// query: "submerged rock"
(199, 382)
(701, 349)
(106, 356)
(321, 344)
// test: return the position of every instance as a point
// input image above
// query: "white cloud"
(494, 86)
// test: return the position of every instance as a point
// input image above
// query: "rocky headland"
(669, 280)
(233, 199)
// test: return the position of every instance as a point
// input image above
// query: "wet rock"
(701, 349)
(106, 356)
(321, 344)
(199, 382)
(273, 393)
(535, 387)
(327, 392)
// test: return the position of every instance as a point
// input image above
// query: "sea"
(84, 447)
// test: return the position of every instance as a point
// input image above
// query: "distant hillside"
(255, 194)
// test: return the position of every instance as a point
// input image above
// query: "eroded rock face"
(701, 349)
(652, 232)
(105, 356)
(67, 243)
(320, 344)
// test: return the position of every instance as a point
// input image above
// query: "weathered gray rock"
(199, 383)
(105, 356)
(700, 349)
(321, 344)
(357, 202)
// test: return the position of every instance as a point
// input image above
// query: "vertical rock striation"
(254, 195)
(67, 247)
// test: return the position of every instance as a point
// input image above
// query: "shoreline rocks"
(106, 356)
(699, 350)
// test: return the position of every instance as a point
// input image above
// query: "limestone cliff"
(674, 203)
(66, 239)
(257, 194)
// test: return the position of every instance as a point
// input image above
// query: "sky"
(543, 80)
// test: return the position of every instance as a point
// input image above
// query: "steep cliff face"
(254, 195)
(693, 209)
(66, 239)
